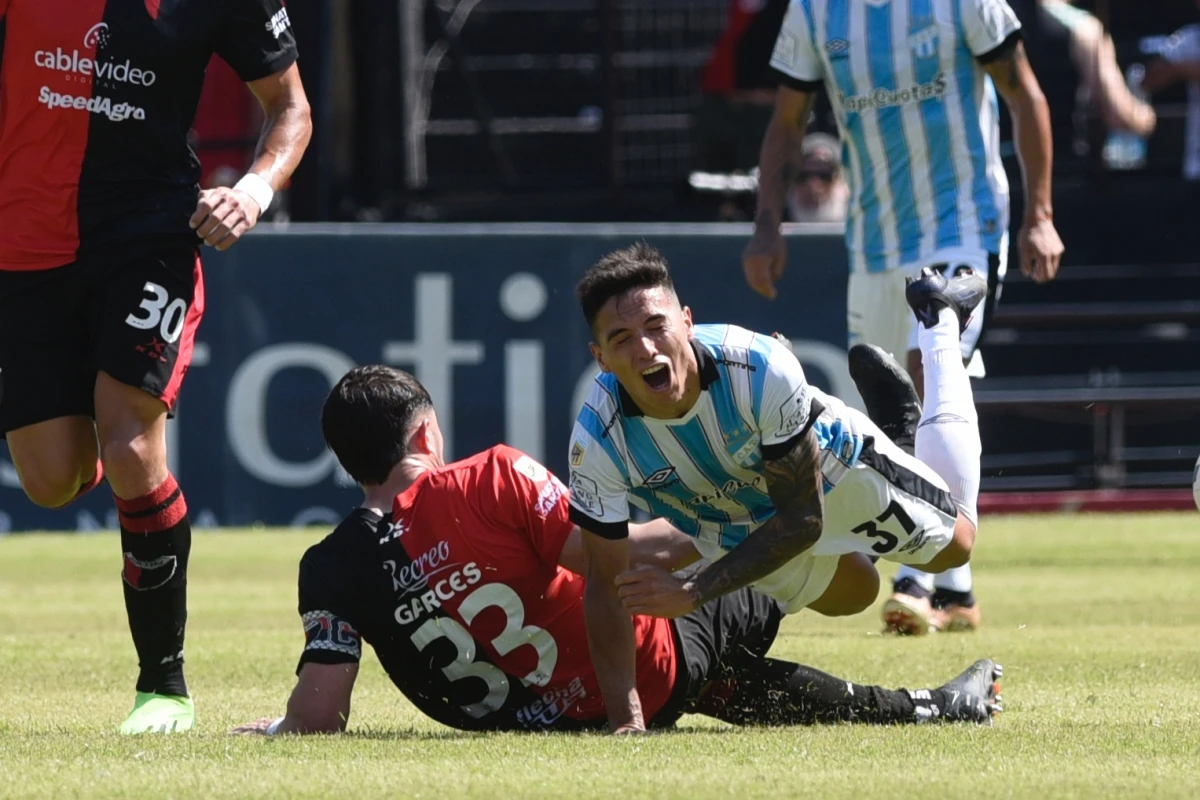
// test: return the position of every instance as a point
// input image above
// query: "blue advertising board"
(484, 316)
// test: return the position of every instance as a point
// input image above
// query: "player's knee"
(854, 588)
(958, 551)
(52, 484)
(53, 460)
(130, 454)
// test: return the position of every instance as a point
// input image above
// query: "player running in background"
(715, 428)
(463, 578)
(101, 291)
(909, 84)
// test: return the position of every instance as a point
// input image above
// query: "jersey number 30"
(167, 317)
(515, 634)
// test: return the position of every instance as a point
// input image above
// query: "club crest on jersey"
(661, 478)
(924, 42)
(745, 455)
(578, 450)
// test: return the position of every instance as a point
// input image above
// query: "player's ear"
(423, 439)
(687, 318)
(596, 354)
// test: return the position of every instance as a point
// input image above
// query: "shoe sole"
(959, 625)
(904, 620)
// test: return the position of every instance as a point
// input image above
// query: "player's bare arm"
(1162, 74)
(794, 484)
(320, 703)
(1038, 246)
(610, 632)
(655, 543)
(765, 255)
(224, 214)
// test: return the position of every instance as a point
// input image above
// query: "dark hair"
(638, 266)
(366, 420)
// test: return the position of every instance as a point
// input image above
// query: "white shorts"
(877, 313)
(888, 504)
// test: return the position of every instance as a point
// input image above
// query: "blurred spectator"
(1180, 62)
(737, 88)
(1076, 65)
(819, 192)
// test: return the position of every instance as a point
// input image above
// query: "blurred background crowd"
(653, 111)
(586, 110)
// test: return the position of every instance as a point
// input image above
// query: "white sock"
(923, 579)
(956, 580)
(948, 434)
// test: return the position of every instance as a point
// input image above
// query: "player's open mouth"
(657, 377)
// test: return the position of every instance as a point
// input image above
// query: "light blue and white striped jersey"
(918, 119)
(704, 470)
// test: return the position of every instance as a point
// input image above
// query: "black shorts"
(714, 644)
(133, 317)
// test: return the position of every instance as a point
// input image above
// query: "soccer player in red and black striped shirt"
(101, 221)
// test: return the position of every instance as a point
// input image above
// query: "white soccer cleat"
(906, 615)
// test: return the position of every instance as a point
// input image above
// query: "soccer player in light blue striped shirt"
(913, 87)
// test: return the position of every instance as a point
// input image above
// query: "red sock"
(93, 483)
(157, 511)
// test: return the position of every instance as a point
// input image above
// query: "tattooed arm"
(1038, 244)
(794, 483)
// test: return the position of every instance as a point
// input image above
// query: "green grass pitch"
(1096, 619)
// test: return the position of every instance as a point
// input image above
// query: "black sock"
(910, 587)
(156, 537)
(784, 693)
(944, 598)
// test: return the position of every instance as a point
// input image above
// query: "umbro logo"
(660, 478)
(836, 48)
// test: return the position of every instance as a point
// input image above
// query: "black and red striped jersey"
(462, 598)
(96, 101)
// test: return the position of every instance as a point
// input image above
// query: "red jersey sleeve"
(520, 493)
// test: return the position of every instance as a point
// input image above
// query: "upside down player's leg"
(953, 599)
(150, 310)
(947, 437)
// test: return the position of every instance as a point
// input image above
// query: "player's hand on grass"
(763, 260)
(223, 215)
(258, 726)
(654, 592)
(632, 730)
(1039, 249)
